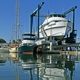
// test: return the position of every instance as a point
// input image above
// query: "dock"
(48, 48)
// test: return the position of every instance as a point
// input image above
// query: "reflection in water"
(53, 69)
(47, 67)
(28, 64)
(13, 56)
(70, 65)
(14, 63)
(39, 67)
(3, 58)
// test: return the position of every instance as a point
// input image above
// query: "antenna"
(48, 9)
(62, 7)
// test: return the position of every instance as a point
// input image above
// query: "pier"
(60, 48)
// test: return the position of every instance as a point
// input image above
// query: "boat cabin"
(57, 15)
(28, 36)
(28, 39)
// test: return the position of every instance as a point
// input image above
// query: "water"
(39, 67)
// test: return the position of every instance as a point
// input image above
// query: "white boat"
(13, 49)
(55, 25)
(4, 48)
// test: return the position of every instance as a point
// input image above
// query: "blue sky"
(7, 14)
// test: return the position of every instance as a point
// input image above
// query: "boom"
(72, 9)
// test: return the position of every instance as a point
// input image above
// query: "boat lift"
(72, 34)
(41, 15)
(71, 10)
(32, 15)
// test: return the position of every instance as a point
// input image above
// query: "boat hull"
(4, 50)
(26, 49)
(58, 31)
(13, 50)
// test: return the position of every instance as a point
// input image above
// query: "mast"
(17, 21)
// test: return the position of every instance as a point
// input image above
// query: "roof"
(28, 38)
(28, 34)
(57, 15)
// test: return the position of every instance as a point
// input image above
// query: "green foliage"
(14, 41)
(2, 41)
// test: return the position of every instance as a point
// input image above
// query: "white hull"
(13, 50)
(55, 26)
(4, 50)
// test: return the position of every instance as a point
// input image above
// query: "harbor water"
(15, 66)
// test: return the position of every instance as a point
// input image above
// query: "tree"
(2, 41)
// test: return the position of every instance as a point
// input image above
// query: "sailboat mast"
(17, 20)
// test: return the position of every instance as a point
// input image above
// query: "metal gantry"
(34, 14)
(71, 10)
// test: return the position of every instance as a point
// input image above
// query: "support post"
(73, 20)
(77, 51)
(51, 45)
(38, 21)
(31, 23)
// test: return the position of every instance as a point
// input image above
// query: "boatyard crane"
(71, 10)
(72, 34)
(32, 15)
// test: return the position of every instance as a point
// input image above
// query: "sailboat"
(14, 47)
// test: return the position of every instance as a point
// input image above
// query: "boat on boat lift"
(55, 25)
